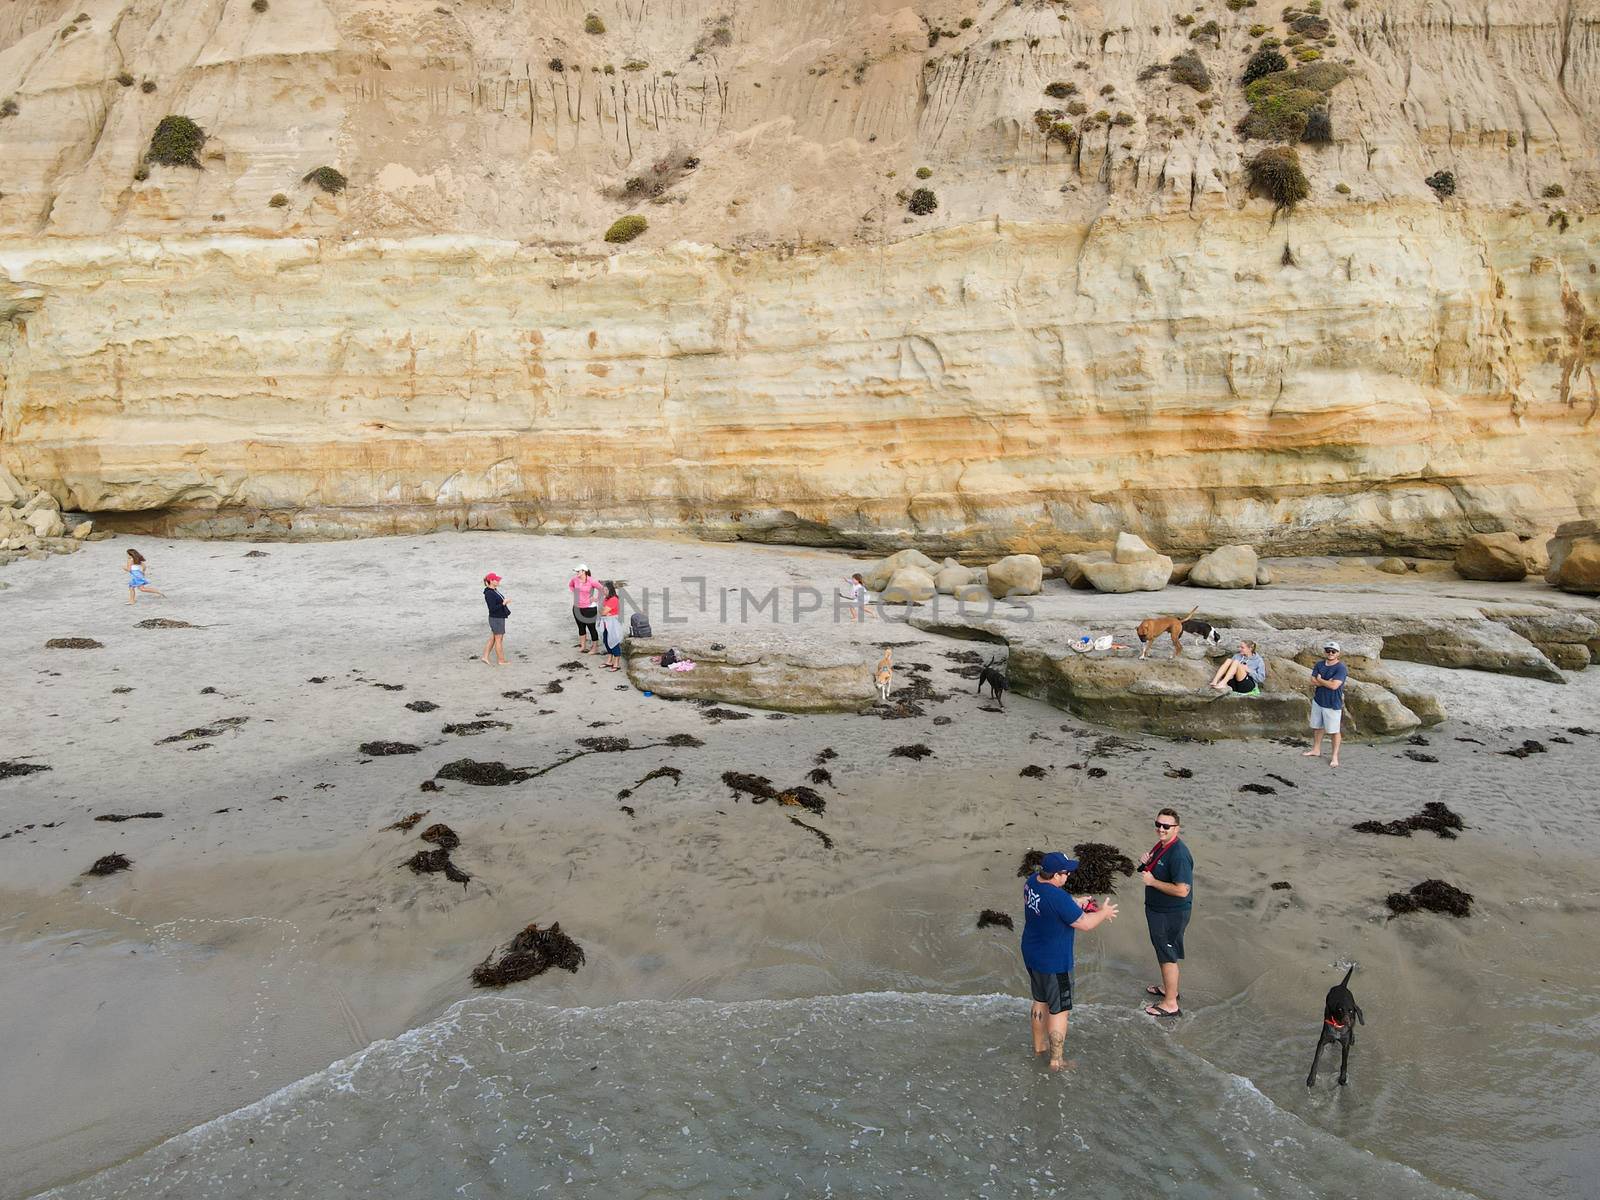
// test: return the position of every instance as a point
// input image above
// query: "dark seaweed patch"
(391, 687)
(1431, 895)
(1173, 772)
(1282, 780)
(820, 775)
(1098, 867)
(1419, 756)
(1096, 772)
(1581, 731)
(827, 842)
(916, 752)
(1434, 817)
(255, 554)
(671, 773)
(803, 797)
(1528, 747)
(441, 836)
(758, 787)
(318, 679)
(1416, 739)
(422, 706)
(532, 952)
(1032, 771)
(826, 754)
(554, 688)
(627, 810)
(109, 865)
(482, 774)
(73, 643)
(121, 691)
(1281, 885)
(119, 817)
(388, 749)
(11, 770)
(407, 824)
(473, 728)
(431, 862)
(199, 732)
(1032, 860)
(718, 715)
(990, 916)
(571, 664)
(684, 740)
(164, 623)
(1259, 789)
(604, 745)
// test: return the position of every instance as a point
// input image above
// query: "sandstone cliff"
(1097, 325)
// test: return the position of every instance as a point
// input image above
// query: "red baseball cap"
(493, 576)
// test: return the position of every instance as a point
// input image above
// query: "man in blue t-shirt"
(1168, 875)
(1050, 917)
(1327, 701)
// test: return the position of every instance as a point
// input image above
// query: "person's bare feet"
(1057, 1063)
(1311, 754)
(504, 662)
(1333, 762)
(486, 660)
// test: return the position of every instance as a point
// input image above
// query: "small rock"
(1393, 566)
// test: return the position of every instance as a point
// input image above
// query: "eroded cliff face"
(1096, 327)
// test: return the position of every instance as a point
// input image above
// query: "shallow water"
(879, 1094)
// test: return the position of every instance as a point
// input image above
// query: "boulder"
(1180, 573)
(950, 577)
(11, 490)
(909, 583)
(1492, 556)
(1569, 656)
(1131, 548)
(972, 593)
(1016, 575)
(785, 670)
(39, 501)
(1146, 575)
(1580, 568)
(877, 575)
(1072, 568)
(82, 530)
(45, 522)
(1393, 566)
(1567, 534)
(1263, 575)
(1226, 567)
(1427, 706)
(1536, 553)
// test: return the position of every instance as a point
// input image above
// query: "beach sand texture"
(267, 929)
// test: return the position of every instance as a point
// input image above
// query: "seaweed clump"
(1435, 817)
(110, 864)
(11, 770)
(73, 643)
(118, 818)
(432, 862)
(388, 749)
(758, 787)
(990, 916)
(1431, 895)
(803, 797)
(916, 752)
(532, 952)
(482, 774)
(473, 728)
(1098, 867)
(407, 824)
(441, 836)
(164, 623)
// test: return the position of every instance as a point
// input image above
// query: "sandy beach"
(267, 928)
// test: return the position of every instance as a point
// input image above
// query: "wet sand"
(250, 947)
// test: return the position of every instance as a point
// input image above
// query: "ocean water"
(872, 1095)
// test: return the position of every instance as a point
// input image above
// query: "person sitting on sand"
(611, 627)
(585, 591)
(137, 570)
(1050, 918)
(1244, 673)
(856, 593)
(499, 610)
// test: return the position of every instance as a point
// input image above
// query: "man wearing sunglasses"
(1168, 874)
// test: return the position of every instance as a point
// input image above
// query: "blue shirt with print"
(1047, 933)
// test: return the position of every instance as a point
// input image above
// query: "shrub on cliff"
(593, 24)
(1319, 128)
(625, 229)
(922, 202)
(259, 6)
(1187, 68)
(1263, 62)
(148, 86)
(1443, 183)
(125, 79)
(9, 107)
(1281, 103)
(1059, 90)
(924, 172)
(328, 179)
(176, 143)
(1553, 191)
(1275, 174)
(279, 200)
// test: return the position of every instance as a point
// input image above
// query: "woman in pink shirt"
(585, 607)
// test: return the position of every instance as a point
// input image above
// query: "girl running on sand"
(585, 591)
(135, 567)
(499, 610)
(611, 627)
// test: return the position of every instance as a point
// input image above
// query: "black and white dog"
(1340, 1012)
(995, 677)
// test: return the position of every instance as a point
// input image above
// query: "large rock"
(1131, 548)
(1145, 575)
(877, 575)
(951, 576)
(1492, 556)
(1580, 568)
(45, 522)
(1393, 566)
(1475, 643)
(1564, 637)
(1226, 567)
(786, 670)
(1423, 702)
(1536, 553)
(1016, 575)
(1567, 535)
(908, 583)
(11, 490)
(1072, 568)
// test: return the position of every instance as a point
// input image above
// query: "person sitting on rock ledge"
(1244, 673)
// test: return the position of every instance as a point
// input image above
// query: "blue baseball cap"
(1055, 862)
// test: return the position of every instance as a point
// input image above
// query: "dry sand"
(266, 928)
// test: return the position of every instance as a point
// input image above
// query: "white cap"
(1331, 645)
(580, 567)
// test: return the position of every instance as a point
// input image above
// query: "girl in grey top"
(1244, 673)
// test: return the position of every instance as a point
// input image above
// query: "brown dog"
(1175, 627)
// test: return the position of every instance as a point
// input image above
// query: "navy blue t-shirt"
(1329, 697)
(1047, 933)
(1176, 866)
(496, 602)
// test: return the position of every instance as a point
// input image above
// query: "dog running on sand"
(1340, 1012)
(884, 675)
(1152, 628)
(992, 675)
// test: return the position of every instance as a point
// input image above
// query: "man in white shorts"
(1327, 701)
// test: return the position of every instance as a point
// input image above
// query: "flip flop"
(1153, 990)
(1153, 1011)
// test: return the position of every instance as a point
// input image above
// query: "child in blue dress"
(136, 569)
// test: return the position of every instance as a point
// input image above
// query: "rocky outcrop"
(1492, 556)
(1575, 558)
(1015, 575)
(1226, 567)
(33, 526)
(783, 670)
(1475, 643)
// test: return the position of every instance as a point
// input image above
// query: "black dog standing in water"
(995, 678)
(1340, 1012)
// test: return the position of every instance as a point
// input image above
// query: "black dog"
(996, 679)
(1340, 1012)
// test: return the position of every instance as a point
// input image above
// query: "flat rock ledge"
(781, 670)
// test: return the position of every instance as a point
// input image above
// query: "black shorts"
(585, 619)
(1166, 933)
(1243, 686)
(1052, 988)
